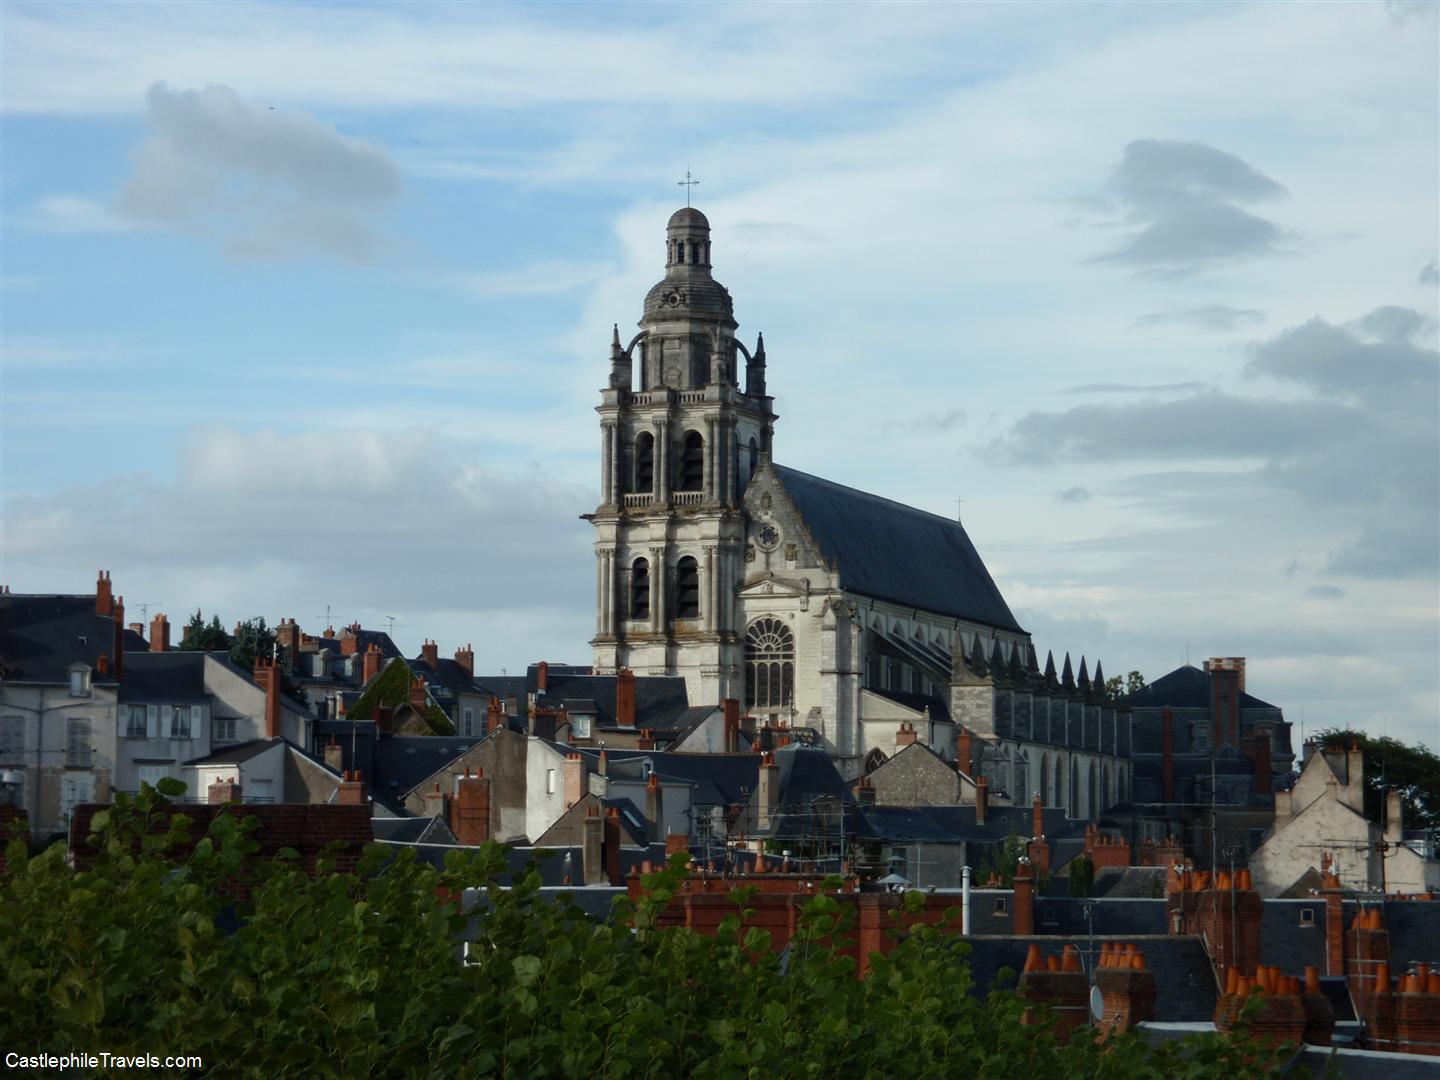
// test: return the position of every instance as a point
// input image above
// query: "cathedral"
(862, 623)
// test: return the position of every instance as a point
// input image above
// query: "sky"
(306, 308)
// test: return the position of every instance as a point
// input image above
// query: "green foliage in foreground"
(358, 975)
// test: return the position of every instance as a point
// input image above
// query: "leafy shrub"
(361, 975)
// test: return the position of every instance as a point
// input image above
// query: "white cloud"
(264, 183)
(401, 522)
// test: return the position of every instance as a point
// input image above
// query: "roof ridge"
(870, 495)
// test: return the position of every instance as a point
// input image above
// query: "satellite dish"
(1097, 1004)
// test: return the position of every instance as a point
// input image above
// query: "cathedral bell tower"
(680, 440)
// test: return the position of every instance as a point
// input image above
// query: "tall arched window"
(769, 665)
(1044, 789)
(644, 462)
(687, 589)
(692, 463)
(754, 458)
(640, 589)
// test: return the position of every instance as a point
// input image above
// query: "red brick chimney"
(104, 599)
(982, 800)
(1227, 678)
(542, 675)
(592, 865)
(137, 627)
(1023, 915)
(470, 808)
(466, 659)
(1126, 986)
(334, 756)
(329, 633)
(351, 791)
(1228, 918)
(1037, 817)
(267, 677)
(287, 636)
(430, 653)
(224, 790)
(1257, 749)
(494, 715)
(1060, 983)
(370, 662)
(767, 789)
(159, 634)
(1367, 947)
(350, 640)
(610, 847)
(731, 707)
(1334, 923)
(655, 804)
(119, 619)
(905, 736)
(416, 696)
(573, 775)
(624, 697)
(964, 752)
(1167, 751)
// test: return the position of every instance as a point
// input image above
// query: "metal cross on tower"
(687, 184)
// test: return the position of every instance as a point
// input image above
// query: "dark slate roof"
(1132, 882)
(399, 762)
(164, 677)
(1109, 917)
(660, 701)
(895, 552)
(1184, 983)
(718, 779)
(1285, 942)
(134, 642)
(956, 822)
(414, 830)
(1186, 687)
(42, 635)
(233, 755)
(450, 674)
(1414, 927)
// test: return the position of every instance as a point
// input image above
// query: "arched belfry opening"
(692, 463)
(644, 478)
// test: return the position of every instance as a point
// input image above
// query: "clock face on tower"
(767, 537)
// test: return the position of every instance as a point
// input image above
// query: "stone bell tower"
(680, 439)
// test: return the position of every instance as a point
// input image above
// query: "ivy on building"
(391, 689)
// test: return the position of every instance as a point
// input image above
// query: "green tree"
(252, 639)
(201, 636)
(1082, 875)
(1122, 686)
(1412, 770)
(344, 975)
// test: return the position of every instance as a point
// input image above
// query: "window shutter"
(167, 718)
(152, 721)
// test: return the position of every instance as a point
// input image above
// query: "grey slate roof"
(233, 755)
(660, 701)
(1186, 687)
(894, 552)
(41, 635)
(939, 708)
(169, 677)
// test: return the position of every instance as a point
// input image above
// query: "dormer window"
(79, 681)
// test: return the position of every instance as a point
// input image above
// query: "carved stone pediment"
(775, 586)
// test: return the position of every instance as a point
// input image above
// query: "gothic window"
(769, 665)
(640, 589)
(687, 589)
(692, 463)
(645, 462)
(754, 458)
(1044, 788)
